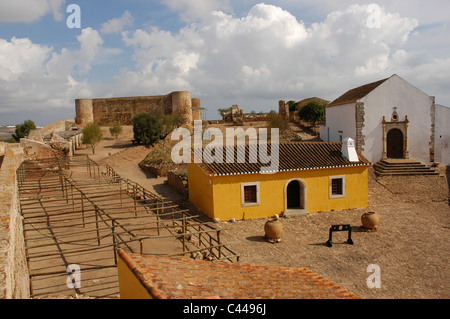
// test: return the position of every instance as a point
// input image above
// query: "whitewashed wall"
(411, 102)
(340, 118)
(442, 135)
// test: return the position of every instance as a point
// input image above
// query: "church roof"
(355, 94)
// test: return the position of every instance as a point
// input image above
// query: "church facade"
(390, 118)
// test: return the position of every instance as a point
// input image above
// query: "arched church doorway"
(395, 142)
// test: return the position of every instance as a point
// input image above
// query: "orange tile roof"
(183, 278)
(292, 157)
(355, 94)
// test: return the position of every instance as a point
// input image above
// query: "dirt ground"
(410, 246)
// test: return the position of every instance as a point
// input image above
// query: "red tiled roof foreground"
(183, 278)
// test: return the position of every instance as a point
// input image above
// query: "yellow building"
(311, 177)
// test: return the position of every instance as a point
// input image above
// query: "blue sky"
(225, 52)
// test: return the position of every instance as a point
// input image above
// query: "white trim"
(330, 187)
(243, 203)
(292, 170)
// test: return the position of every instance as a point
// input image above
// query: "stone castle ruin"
(109, 111)
(237, 116)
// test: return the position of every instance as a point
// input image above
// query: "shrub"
(22, 130)
(291, 105)
(312, 112)
(169, 123)
(115, 130)
(158, 156)
(276, 120)
(92, 135)
(147, 129)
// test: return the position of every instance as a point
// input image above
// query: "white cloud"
(254, 60)
(29, 10)
(432, 12)
(21, 56)
(197, 10)
(69, 61)
(35, 77)
(117, 25)
(268, 52)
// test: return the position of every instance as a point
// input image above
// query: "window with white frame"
(249, 194)
(337, 186)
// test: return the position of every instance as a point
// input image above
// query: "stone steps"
(402, 168)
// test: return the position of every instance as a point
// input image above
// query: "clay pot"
(273, 229)
(370, 220)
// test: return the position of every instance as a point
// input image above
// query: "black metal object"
(334, 228)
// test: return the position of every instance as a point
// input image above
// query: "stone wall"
(360, 117)
(196, 110)
(34, 149)
(108, 111)
(113, 110)
(177, 183)
(14, 277)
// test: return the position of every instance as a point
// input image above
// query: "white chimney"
(349, 150)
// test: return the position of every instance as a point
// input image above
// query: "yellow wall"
(130, 287)
(225, 202)
(200, 189)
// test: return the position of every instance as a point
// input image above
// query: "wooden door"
(395, 144)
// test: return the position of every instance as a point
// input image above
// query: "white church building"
(390, 118)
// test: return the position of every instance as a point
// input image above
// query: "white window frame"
(330, 186)
(243, 203)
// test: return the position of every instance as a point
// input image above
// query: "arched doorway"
(394, 141)
(295, 197)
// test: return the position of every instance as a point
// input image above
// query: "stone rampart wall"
(14, 277)
(109, 111)
(34, 149)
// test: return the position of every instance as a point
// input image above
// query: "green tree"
(169, 123)
(22, 130)
(312, 112)
(224, 110)
(92, 135)
(115, 130)
(291, 105)
(147, 129)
